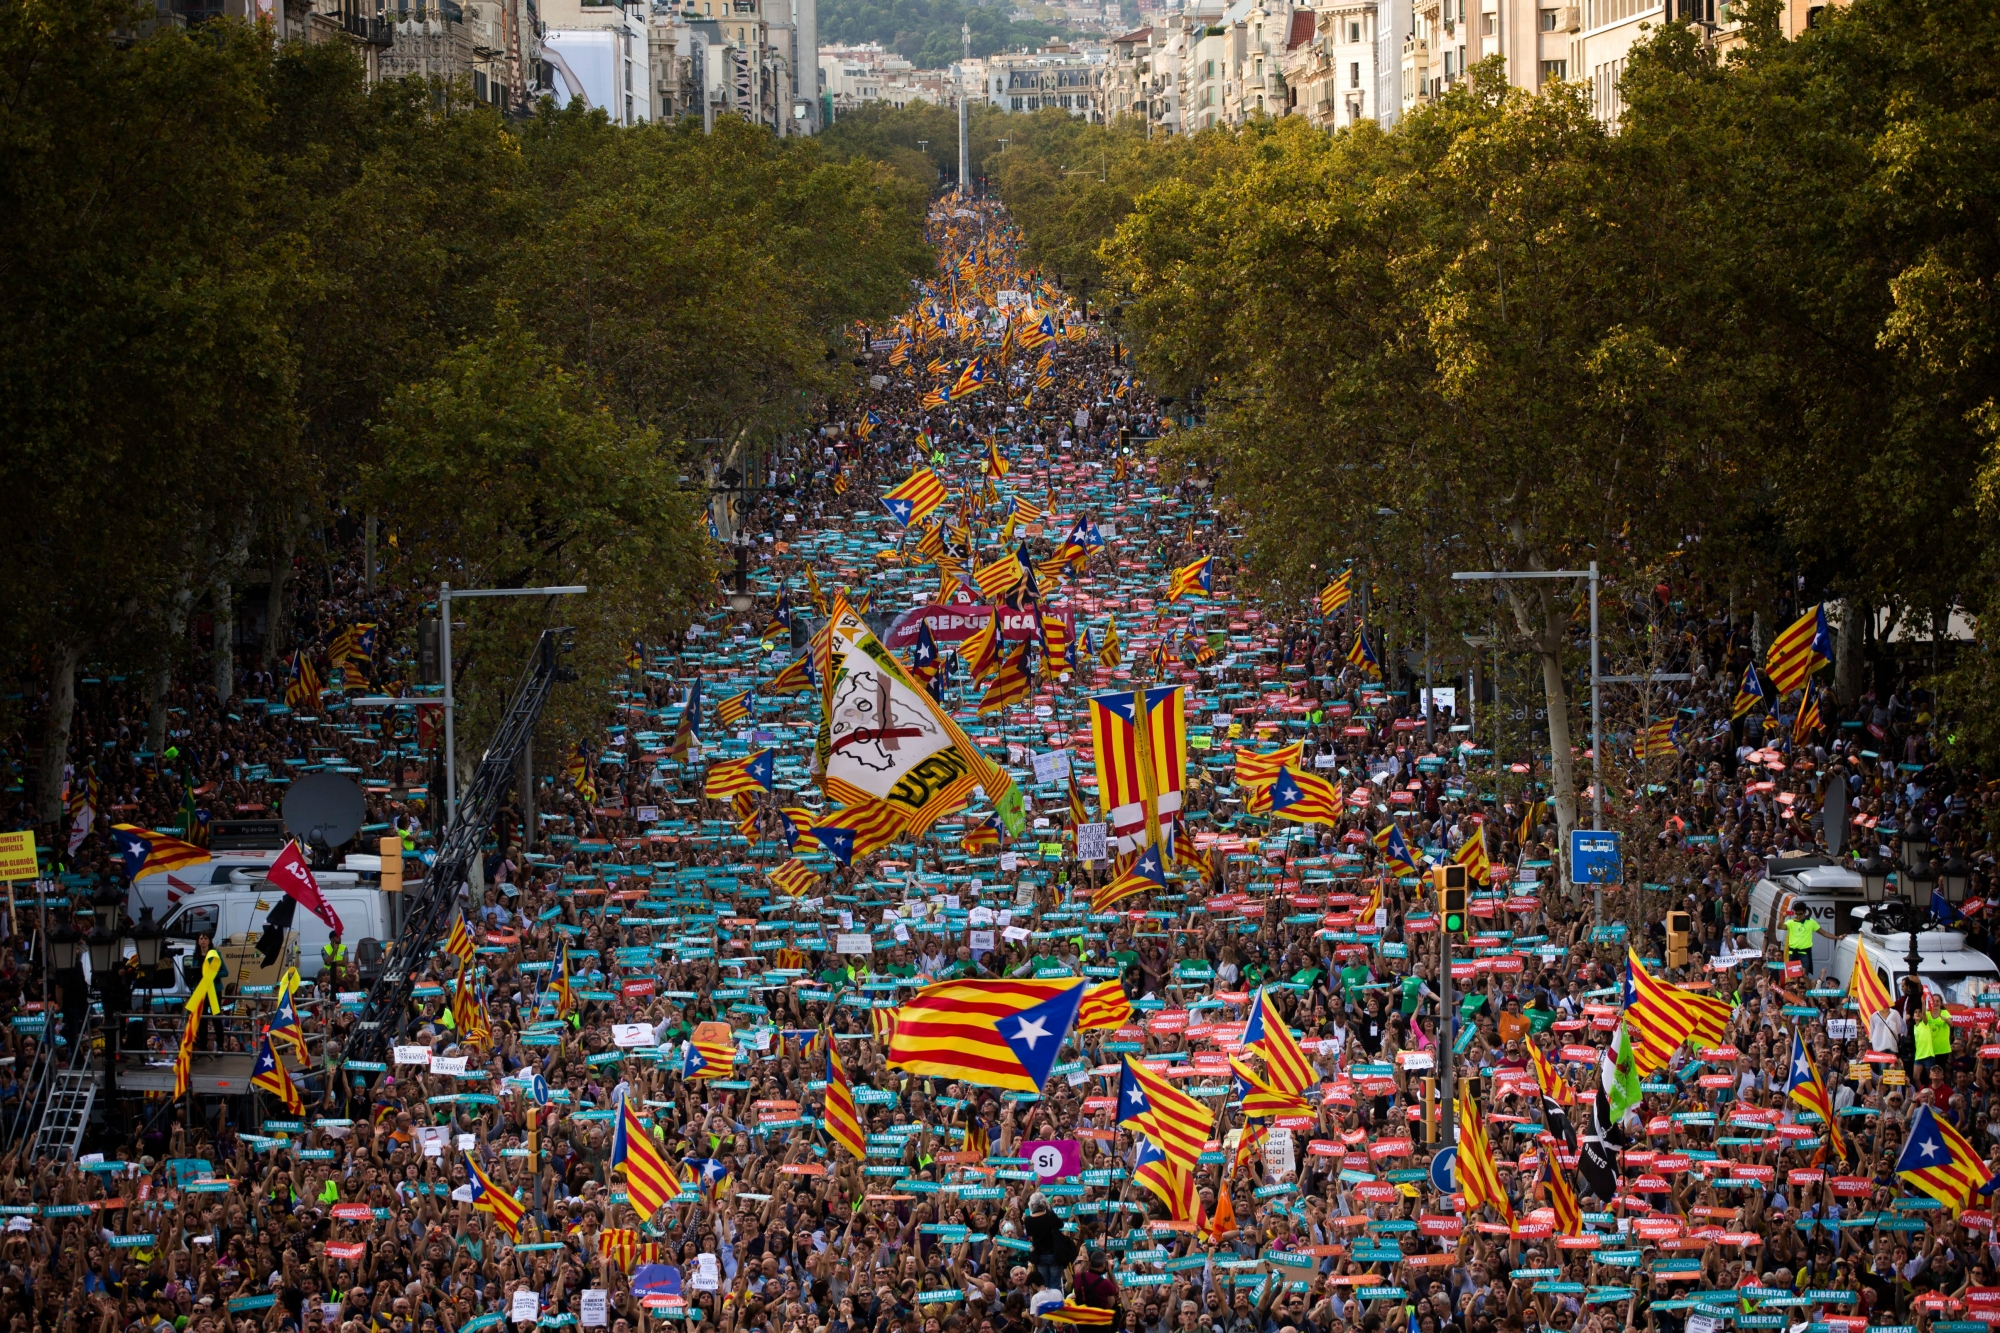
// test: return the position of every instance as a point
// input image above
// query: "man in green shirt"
(1352, 978)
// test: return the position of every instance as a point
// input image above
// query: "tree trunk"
(368, 553)
(1539, 616)
(55, 733)
(162, 678)
(222, 609)
(1847, 653)
(274, 603)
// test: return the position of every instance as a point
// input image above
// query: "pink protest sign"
(1053, 1159)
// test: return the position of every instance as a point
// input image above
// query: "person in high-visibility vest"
(1799, 932)
(333, 958)
(1933, 1038)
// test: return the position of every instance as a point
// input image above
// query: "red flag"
(290, 873)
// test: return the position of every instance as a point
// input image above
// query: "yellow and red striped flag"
(1146, 874)
(623, 1246)
(1472, 855)
(1191, 579)
(1550, 1081)
(1804, 647)
(733, 710)
(1865, 987)
(1938, 1160)
(460, 944)
(650, 1184)
(1171, 1183)
(1267, 1035)
(489, 1197)
(1662, 1016)
(1562, 1197)
(794, 879)
(916, 496)
(1178, 1123)
(1337, 593)
(1478, 1179)
(268, 1074)
(859, 829)
(996, 1034)
(843, 1125)
(1104, 1006)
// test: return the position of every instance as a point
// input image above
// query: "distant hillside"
(926, 32)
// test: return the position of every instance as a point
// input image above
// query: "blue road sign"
(1441, 1171)
(1595, 857)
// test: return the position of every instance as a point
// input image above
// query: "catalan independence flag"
(268, 1074)
(1472, 855)
(733, 710)
(1662, 1016)
(1267, 1035)
(1337, 593)
(1656, 740)
(996, 1034)
(1261, 770)
(1361, 657)
(752, 773)
(1149, 1103)
(1478, 1179)
(1104, 1006)
(1261, 1100)
(915, 497)
(1805, 647)
(1395, 850)
(1170, 1183)
(1749, 693)
(843, 1125)
(997, 465)
(1552, 1083)
(1864, 986)
(650, 1184)
(1146, 874)
(1804, 1086)
(859, 830)
(489, 1197)
(1191, 579)
(145, 852)
(459, 943)
(1306, 797)
(708, 1059)
(971, 379)
(1938, 1160)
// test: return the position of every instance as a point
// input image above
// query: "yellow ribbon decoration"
(205, 988)
(287, 984)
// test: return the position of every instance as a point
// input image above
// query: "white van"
(1956, 974)
(163, 890)
(239, 908)
(1828, 888)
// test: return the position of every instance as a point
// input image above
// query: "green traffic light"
(1454, 923)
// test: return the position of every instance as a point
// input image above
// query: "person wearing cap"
(1800, 928)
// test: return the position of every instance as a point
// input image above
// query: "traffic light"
(1430, 1111)
(1451, 889)
(1679, 927)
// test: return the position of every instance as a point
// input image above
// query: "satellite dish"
(324, 810)
(1833, 815)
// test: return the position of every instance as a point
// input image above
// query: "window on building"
(1354, 74)
(1447, 65)
(1354, 32)
(1554, 71)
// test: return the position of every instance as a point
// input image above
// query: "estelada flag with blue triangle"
(993, 1033)
(1941, 1162)
(922, 492)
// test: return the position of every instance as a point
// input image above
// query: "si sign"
(1595, 858)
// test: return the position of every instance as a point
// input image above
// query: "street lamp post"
(1596, 710)
(445, 594)
(1916, 879)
